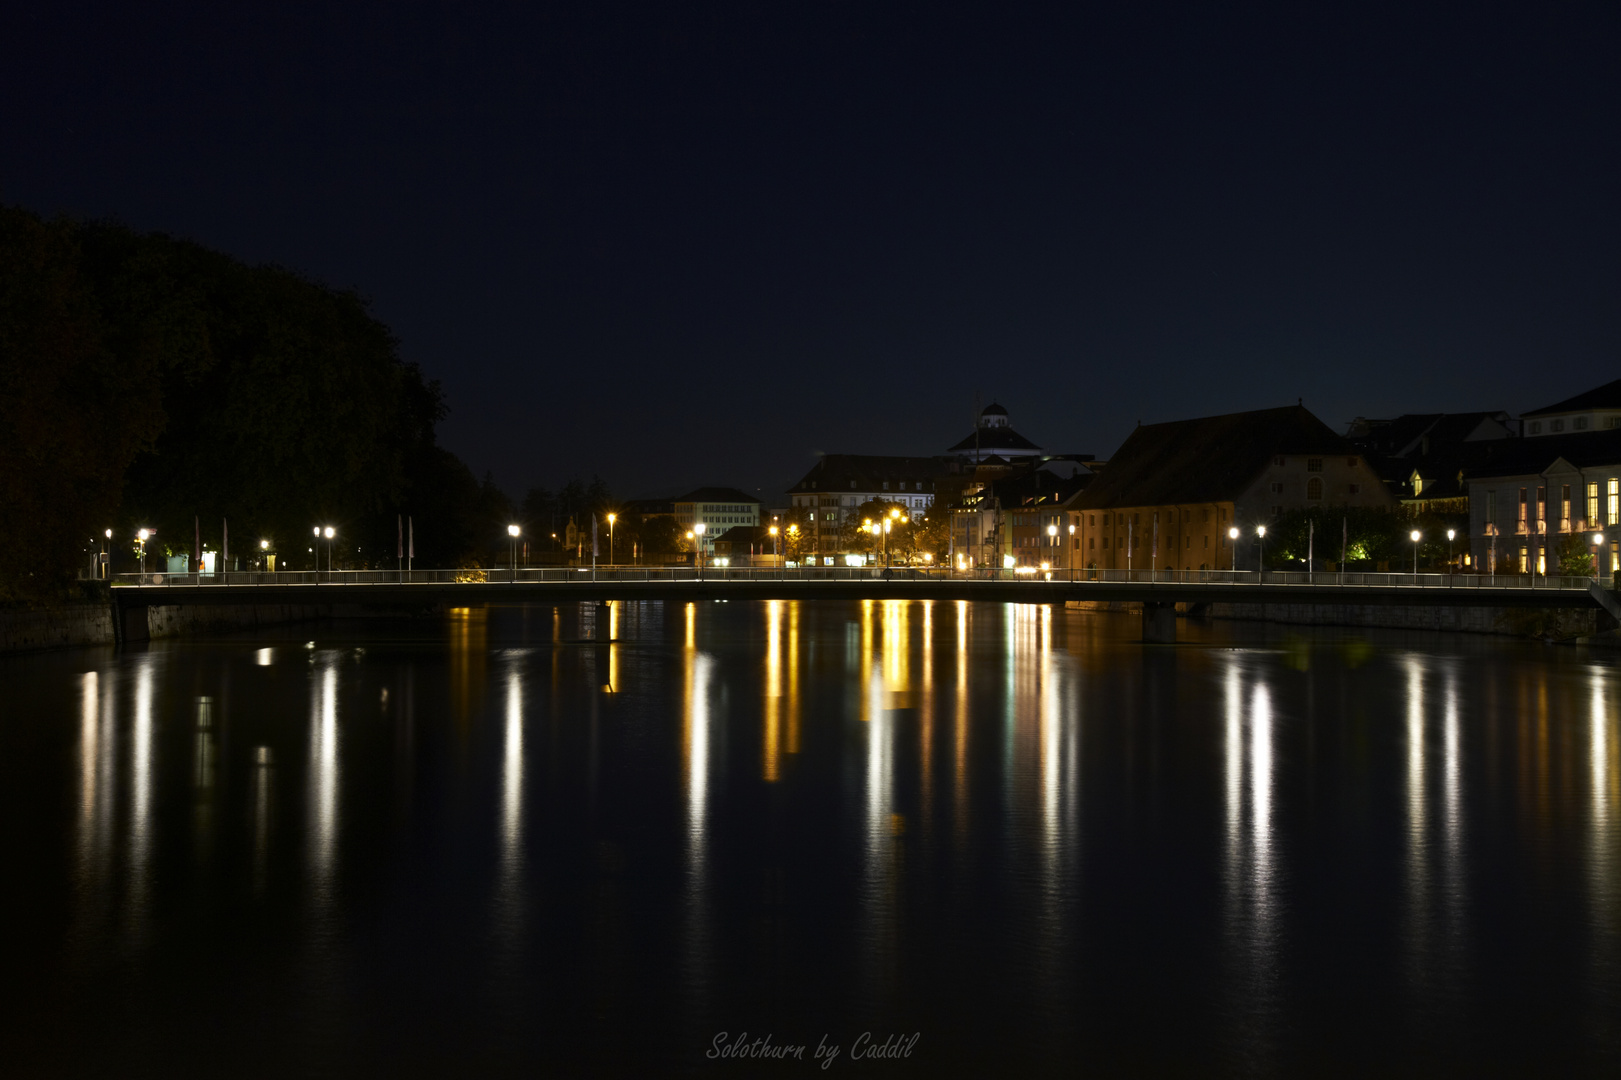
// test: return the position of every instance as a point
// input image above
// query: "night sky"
(702, 245)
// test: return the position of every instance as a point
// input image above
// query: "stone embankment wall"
(92, 623)
(1547, 623)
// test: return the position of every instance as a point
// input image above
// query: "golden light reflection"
(697, 674)
(469, 636)
(770, 749)
(925, 718)
(613, 650)
(793, 676)
(959, 772)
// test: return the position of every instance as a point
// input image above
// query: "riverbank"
(1576, 626)
(70, 625)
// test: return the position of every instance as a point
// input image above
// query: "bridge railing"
(808, 574)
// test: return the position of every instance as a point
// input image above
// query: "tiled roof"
(716, 495)
(997, 438)
(869, 472)
(1607, 396)
(1527, 457)
(1212, 459)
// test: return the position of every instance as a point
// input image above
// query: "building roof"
(1211, 459)
(993, 409)
(1528, 457)
(869, 472)
(648, 507)
(716, 495)
(1607, 396)
(1003, 439)
(1034, 487)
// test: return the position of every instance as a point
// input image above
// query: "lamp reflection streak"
(697, 673)
(324, 778)
(509, 899)
(1602, 855)
(1251, 874)
(1418, 868)
(140, 825)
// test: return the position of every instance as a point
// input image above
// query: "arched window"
(1314, 488)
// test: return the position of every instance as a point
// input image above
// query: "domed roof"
(993, 409)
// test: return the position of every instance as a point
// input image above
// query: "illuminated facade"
(1169, 496)
(1541, 495)
(717, 509)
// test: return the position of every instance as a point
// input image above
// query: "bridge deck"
(375, 590)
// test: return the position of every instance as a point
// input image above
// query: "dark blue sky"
(700, 246)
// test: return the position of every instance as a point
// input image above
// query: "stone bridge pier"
(1159, 623)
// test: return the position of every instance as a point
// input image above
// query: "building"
(1422, 457)
(1169, 496)
(717, 509)
(838, 484)
(1015, 518)
(1598, 409)
(1539, 494)
(994, 436)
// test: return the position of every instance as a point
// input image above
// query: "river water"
(998, 839)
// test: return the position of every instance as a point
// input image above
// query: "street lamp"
(1260, 567)
(512, 531)
(698, 529)
(1451, 534)
(776, 543)
(1415, 536)
(1598, 553)
(142, 537)
(611, 539)
(1232, 536)
(329, 532)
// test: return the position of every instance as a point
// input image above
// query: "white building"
(717, 509)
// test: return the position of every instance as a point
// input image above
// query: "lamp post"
(106, 559)
(776, 545)
(1598, 553)
(610, 539)
(330, 533)
(1260, 566)
(1415, 536)
(264, 554)
(512, 531)
(141, 536)
(1232, 538)
(1451, 535)
(698, 530)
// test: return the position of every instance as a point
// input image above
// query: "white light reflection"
(262, 657)
(1602, 853)
(1452, 854)
(324, 778)
(1418, 868)
(509, 899)
(1252, 863)
(140, 824)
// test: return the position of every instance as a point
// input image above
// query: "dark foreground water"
(1011, 835)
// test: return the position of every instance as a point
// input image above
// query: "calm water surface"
(481, 848)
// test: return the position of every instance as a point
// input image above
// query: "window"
(1277, 488)
(1542, 503)
(1522, 510)
(1556, 425)
(1355, 489)
(1091, 544)
(1580, 423)
(1105, 543)
(1091, 519)
(1592, 506)
(886, 485)
(1536, 429)
(1615, 500)
(1523, 564)
(1314, 488)
(1564, 507)
(1314, 464)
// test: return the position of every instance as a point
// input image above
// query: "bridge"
(1158, 591)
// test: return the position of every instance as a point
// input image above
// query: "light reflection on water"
(838, 816)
